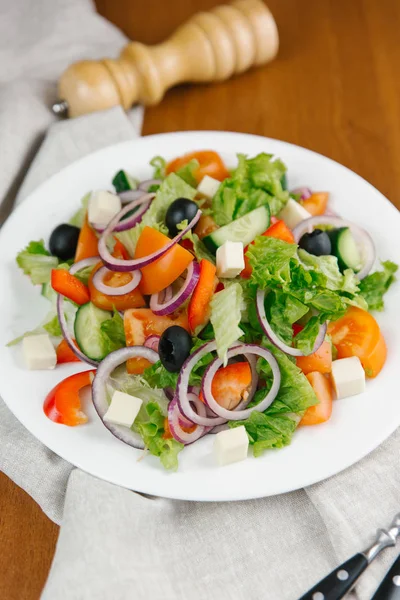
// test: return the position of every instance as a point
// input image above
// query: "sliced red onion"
(122, 225)
(175, 423)
(99, 390)
(130, 196)
(167, 307)
(276, 340)
(362, 237)
(304, 192)
(103, 288)
(118, 264)
(82, 264)
(219, 428)
(152, 342)
(237, 415)
(168, 293)
(147, 183)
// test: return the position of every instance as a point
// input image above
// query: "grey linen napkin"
(113, 543)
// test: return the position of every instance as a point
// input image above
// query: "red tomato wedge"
(320, 361)
(115, 279)
(69, 286)
(230, 384)
(88, 243)
(62, 403)
(323, 390)
(119, 250)
(65, 354)
(199, 305)
(316, 204)
(164, 271)
(278, 230)
(210, 163)
(139, 324)
(357, 334)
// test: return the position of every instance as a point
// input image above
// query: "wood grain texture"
(335, 88)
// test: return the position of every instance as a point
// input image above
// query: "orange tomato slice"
(88, 244)
(320, 361)
(323, 390)
(230, 384)
(115, 279)
(210, 163)
(164, 271)
(316, 204)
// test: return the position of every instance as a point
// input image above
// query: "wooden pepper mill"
(211, 46)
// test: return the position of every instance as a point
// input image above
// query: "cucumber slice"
(345, 248)
(244, 229)
(88, 335)
(123, 181)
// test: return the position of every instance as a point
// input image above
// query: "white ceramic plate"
(358, 424)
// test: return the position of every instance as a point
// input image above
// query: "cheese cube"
(231, 445)
(230, 259)
(293, 213)
(208, 187)
(102, 207)
(123, 409)
(39, 352)
(348, 377)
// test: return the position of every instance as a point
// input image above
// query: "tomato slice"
(199, 305)
(119, 250)
(139, 324)
(230, 384)
(205, 226)
(65, 354)
(88, 243)
(320, 361)
(210, 163)
(69, 286)
(115, 279)
(317, 203)
(357, 334)
(323, 390)
(278, 230)
(162, 272)
(62, 403)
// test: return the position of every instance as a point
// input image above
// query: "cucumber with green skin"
(345, 248)
(87, 329)
(245, 229)
(123, 182)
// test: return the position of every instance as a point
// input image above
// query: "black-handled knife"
(390, 586)
(342, 579)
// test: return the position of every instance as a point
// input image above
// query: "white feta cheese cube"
(293, 213)
(123, 409)
(102, 207)
(208, 187)
(39, 352)
(348, 377)
(230, 259)
(231, 445)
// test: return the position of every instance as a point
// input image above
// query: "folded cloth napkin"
(116, 544)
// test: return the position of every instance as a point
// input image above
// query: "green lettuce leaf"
(79, 217)
(113, 333)
(158, 163)
(255, 182)
(187, 172)
(172, 187)
(226, 314)
(151, 427)
(37, 262)
(374, 286)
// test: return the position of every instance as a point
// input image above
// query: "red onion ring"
(99, 393)
(304, 192)
(82, 264)
(166, 307)
(152, 342)
(362, 236)
(275, 339)
(117, 264)
(122, 225)
(130, 196)
(108, 290)
(167, 294)
(237, 415)
(147, 183)
(176, 421)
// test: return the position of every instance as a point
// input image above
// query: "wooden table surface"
(335, 88)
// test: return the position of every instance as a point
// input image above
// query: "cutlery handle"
(390, 586)
(340, 581)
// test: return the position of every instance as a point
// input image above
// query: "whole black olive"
(63, 241)
(181, 209)
(174, 348)
(317, 242)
